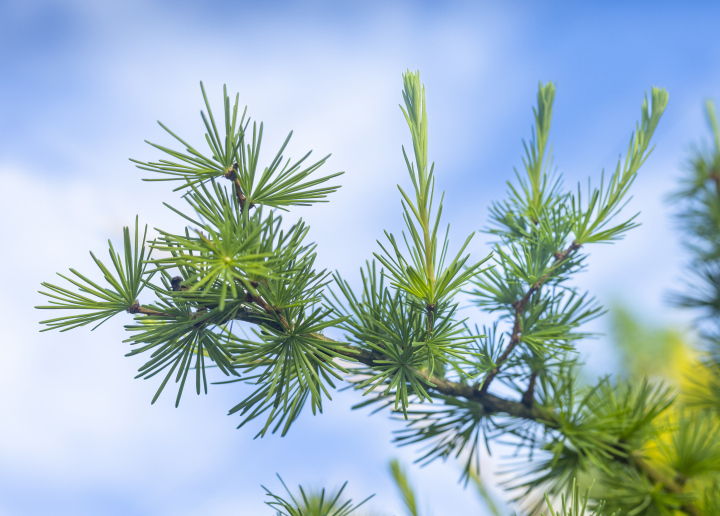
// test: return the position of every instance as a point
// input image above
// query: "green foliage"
(291, 363)
(316, 504)
(690, 448)
(233, 157)
(690, 452)
(103, 303)
(235, 289)
(604, 204)
(699, 219)
(424, 275)
(415, 327)
(398, 326)
(646, 350)
(594, 428)
(234, 262)
(703, 390)
(312, 504)
(575, 505)
(406, 491)
(541, 231)
(175, 338)
(454, 429)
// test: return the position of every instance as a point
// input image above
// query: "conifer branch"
(137, 308)
(491, 404)
(232, 175)
(529, 395)
(524, 409)
(403, 339)
(519, 307)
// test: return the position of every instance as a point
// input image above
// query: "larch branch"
(491, 404)
(519, 308)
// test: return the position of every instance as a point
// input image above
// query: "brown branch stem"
(137, 308)
(519, 307)
(232, 175)
(260, 301)
(496, 405)
(430, 310)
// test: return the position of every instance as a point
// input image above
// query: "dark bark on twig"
(519, 306)
(430, 310)
(137, 308)
(528, 397)
(232, 175)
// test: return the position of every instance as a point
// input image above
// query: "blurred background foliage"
(659, 352)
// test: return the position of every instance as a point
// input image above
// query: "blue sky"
(82, 85)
